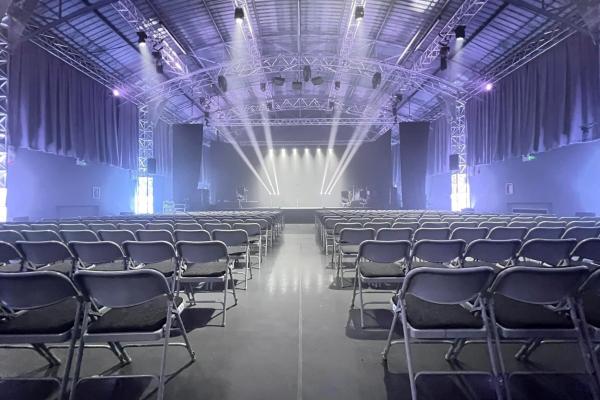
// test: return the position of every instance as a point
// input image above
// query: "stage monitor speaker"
(453, 160)
(151, 165)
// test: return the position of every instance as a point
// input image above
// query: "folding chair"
(11, 260)
(552, 224)
(546, 252)
(434, 225)
(210, 227)
(44, 227)
(469, 234)
(587, 252)
(188, 226)
(159, 256)
(430, 306)
(148, 235)
(522, 224)
(437, 253)
(130, 226)
(377, 226)
(141, 307)
(254, 238)
(413, 226)
(349, 242)
(50, 256)
(580, 233)
(10, 236)
(79, 236)
(238, 248)
(101, 227)
(507, 233)
(328, 235)
(162, 226)
(117, 236)
(581, 224)
(543, 233)
(455, 225)
(531, 304)
(44, 308)
(337, 229)
(431, 234)
(379, 263)
(393, 234)
(205, 263)
(41, 236)
(100, 256)
(489, 225)
(72, 227)
(16, 227)
(192, 236)
(492, 253)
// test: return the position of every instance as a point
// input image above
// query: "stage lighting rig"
(359, 13)
(306, 73)
(278, 81)
(444, 51)
(376, 80)
(142, 37)
(460, 32)
(239, 15)
(317, 80)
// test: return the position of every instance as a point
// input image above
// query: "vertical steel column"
(4, 71)
(461, 196)
(144, 197)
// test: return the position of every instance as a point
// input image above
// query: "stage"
(292, 215)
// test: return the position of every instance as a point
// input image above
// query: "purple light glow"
(488, 86)
(116, 92)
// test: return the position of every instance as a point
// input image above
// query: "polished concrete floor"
(293, 336)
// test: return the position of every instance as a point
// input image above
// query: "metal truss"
(305, 122)
(145, 138)
(161, 38)
(461, 197)
(4, 73)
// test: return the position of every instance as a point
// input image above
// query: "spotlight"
(330, 150)
(359, 13)
(306, 149)
(317, 80)
(488, 86)
(270, 105)
(116, 92)
(444, 50)
(460, 32)
(376, 80)
(297, 85)
(337, 85)
(278, 81)
(142, 38)
(318, 149)
(263, 86)
(306, 73)
(239, 15)
(222, 82)
(294, 150)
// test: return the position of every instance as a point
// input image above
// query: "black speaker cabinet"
(453, 161)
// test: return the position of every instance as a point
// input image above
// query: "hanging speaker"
(453, 160)
(151, 165)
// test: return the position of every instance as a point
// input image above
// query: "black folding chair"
(102, 256)
(79, 236)
(11, 259)
(50, 255)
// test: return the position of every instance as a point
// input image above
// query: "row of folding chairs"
(525, 305)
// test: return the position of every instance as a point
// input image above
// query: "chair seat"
(380, 270)
(425, 315)
(254, 239)
(209, 269)
(55, 319)
(12, 267)
(146, 317)
(110, 266)
(236, 250)
(514, 314)
(167, 267)
(349, 248)
(64, 267)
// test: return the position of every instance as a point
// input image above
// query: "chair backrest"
(460, 224)
(542, 232)
(580, 233)
(8, 253)
(131, 226)
(447, 286)
(188, 226)
(552, 224)
(118, 236)
(492, 224)
(232, 237)
(507, 233)
(202, 252)
(31, 290)
(15, 227)
(469, 234)
(588, 249)
(549, 251)
(431, 224)
(42, 253)
(581, 224)
(162, 226)
(40, 236)
(539, 285)
(79, 236)
(149, 252)
(394, 234)
(493, 251)
(406, 225)
(118, 289)
(97, 252)
(10, 236)
(44, 227)
(147, 235)
(73, 227)
(438, 251)
(355, 236)
(192, 236)
(331, 222)
(384, 251)
(101, 226)
(210, 227)
(251, 228)
(383, 220)
(345, 225)
(431, 234)
(376, 226)
(522, 224)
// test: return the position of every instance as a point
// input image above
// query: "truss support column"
(4, 71)
(461, 195)
(144, 194)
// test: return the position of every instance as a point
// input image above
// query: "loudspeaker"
(454, 162)
(151, 165)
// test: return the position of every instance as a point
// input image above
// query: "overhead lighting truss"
(304, 122)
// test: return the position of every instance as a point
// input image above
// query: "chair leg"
(233, 287)
(454, 350)
(585, 350)
(503, 377)
(354, 288)
(388, 344)
(411, 376)
(226, 283)
(78, 362)
(163, 361)
(74, 335)
(181, 327)
(362, 304)
(491, 353)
